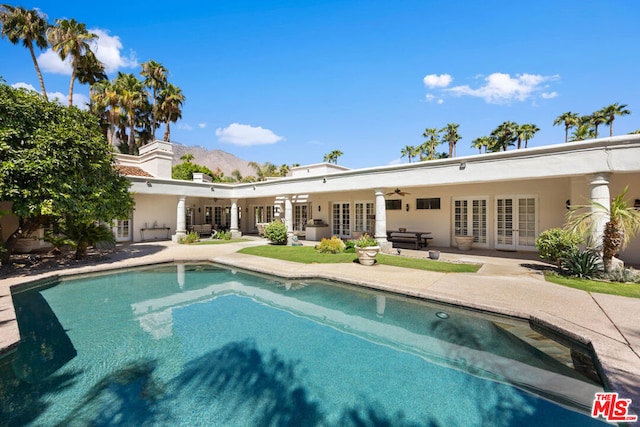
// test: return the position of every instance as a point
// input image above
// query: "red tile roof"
(133, 171)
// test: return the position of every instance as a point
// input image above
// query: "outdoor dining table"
(409, 236)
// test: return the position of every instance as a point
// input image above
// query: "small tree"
(55, 165)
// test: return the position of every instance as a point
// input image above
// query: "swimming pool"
(206, 345)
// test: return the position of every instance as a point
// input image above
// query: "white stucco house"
(504, 200)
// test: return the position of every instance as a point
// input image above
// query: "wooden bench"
(417, 239)
(202, 229)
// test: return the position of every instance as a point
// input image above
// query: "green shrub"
(331, 246)
(585, 264)
(350, 246)
(555, 244)
(276, 232)
(223, 235)
(623, 275)
(366, 240)
(190, 237)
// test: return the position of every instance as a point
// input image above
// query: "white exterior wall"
(150, 209)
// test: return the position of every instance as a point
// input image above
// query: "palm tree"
(187, 157)
(284, 169)
(451, 136)
(569, 120)
(597, 118)
(131, 96)
(429, 146)
(264, 170)
(504, 136)
(70, 38)
(481, 142)
(408, 151)
(332, 157)
(610, 112)
(30, 26)
(584, 129)
(170, 107)
(105, 101)
(526, 132)
(155, 75)
(90, 71)
(622, 225)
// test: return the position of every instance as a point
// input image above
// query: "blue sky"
(289, 81)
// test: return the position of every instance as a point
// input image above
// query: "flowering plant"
(366, 240)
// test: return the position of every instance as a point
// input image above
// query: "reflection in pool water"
(200, 344)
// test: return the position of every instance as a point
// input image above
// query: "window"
(430, 203)
(393, 205)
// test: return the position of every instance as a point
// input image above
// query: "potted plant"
(464, 242)
(367, 248)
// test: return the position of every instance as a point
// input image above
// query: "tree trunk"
(35, 63)
(611, 243)
(81, 250)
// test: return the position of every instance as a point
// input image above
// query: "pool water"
(205, 345)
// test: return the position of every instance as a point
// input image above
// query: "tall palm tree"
(170, 102)
(30, 26)
(105, 101)
(408, 151)
(526, 132)
(187, 157)
(567, 119)
(611, 111)
(582, 132)
(332, 157)
(91, 71)
(505, 135)
(155, 75)
(70, 38)
(284, 169)
(131, 96)
(597, 118)
(451, 136)
(428, 148)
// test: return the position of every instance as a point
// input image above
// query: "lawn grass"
(631, 290)
(219, 241)
(308, 255)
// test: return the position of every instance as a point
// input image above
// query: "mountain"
(213, 159)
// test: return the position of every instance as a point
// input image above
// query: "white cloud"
(246, 135)
(79, 100)
(440, 101)
(184, 126)
(434, 80)
(202, 125)
(108, 49)
(501, 88)
(548, 95)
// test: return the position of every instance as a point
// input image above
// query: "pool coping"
(618, 359)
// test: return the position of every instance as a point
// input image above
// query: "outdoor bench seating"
(202, 229)
(417, 239)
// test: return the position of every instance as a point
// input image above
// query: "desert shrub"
(555, 244)
(366, 240)
(276, 232)
(190, 237)
(584, 264)
(623, 275)
(350, 246)
(330, 246)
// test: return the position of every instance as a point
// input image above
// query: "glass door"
(341, 219)
(516, 222)
(470, 219)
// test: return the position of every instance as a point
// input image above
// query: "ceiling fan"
(397, 191)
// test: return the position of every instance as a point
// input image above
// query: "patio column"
(235, 232)
(599, 193)
(288, 217)
(181, 223)
(381, 222)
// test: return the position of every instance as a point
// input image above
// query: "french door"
(470, 219)
(516, 222)
(300, 216)
(341, 219)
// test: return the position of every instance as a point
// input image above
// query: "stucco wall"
(154, 208)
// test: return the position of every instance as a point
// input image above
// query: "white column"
(599, 193)
(288, 217)
(181, 223)
(381, 217)
(235, 232)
